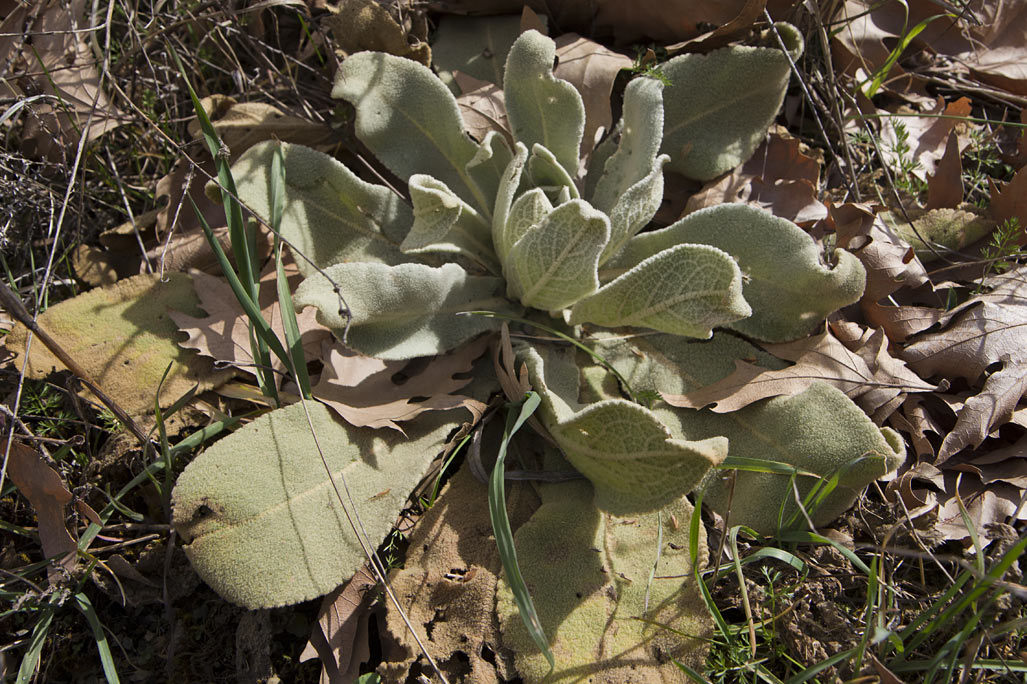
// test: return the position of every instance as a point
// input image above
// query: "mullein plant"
(512, 230)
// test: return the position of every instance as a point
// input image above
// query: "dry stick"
(17, 310)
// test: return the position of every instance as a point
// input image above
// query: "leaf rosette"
(512, 228)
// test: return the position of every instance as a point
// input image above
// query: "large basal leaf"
(261, 518)
(685, 290)
(789, 288)
(445, 223)
(554, 264)
(819, 430)
(410, 120)
(589, 575)
(329, 215)
(631, 458)
(541, 108)
(405, 311)
(719, 106)
(124, 338)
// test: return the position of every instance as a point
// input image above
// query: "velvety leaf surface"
(503, 240)
(405, 311)
(262, 522)
(631, 458)
(445, 223)
(398, 99)
(544, 170)
(329, 214)
(541, 108)
(684, 289)
(527, 211)
(719, 106)
(790, 290)
(124, 338)
(819, 430)
(554, 264)
(588, 573)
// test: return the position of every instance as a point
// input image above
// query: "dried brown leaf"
(945, 187)
(592, 69)
(224, 333)
(778, 178)
(1009, 201)
(367, 25)
(927, 136)
(481, 107)
(872, 377)
(986, 411)
(340, 637)
(365, 392)
(46, 491)
(984, 330)
(64, 65)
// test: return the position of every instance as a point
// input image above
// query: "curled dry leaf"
(945, 187)
(64, 66)
(49, 496)
(890, 263)
(778, 178)
(993, 50)
(869, 375)
(224, 333)
(367, 392)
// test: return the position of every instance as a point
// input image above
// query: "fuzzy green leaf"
(409, 120)
(631, 458)
(544, 170)
(509, 184)
(261, 518)
(719, 106)
(328, 214)
(685, 290)
(641, 131)
(541, 108)
(527, 211)
(445, 223)
(405, 311)
(635, 208)
(790, 290)
(489, 163)
(820, 431)
(590, 575)
(554, 264)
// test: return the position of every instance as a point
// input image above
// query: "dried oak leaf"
(340, 637)
(926, 136)
(369, 392)
(869, 375)
(49, 496)
(224, 333)
(1009, 201)
(482, 107)
(778, 178)
(591, 69)
(891, 265)
(945, 186)
(124, 338)
(449, 585)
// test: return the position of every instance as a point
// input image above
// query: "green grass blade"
(106, 658)
(759, 465)
(293, 336)
(30, 660)
(249, 305)
(804, 537)
(504, 535)
(207, 432)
